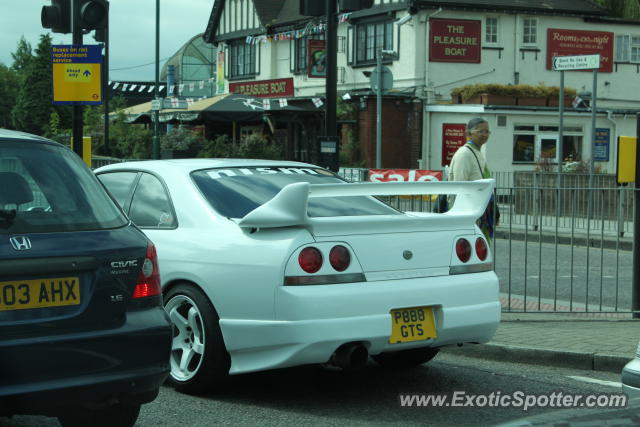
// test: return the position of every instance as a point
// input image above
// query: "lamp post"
(156, 113)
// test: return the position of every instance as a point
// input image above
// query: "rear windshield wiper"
(6, 217)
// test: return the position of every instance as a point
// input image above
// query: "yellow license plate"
(412, 324)
(55, 292)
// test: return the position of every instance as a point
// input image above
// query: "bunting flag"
(192, 86)
(142, 87)
(283, 103)
(115, 86)
(266, 104)
(132, 87)
(318, 102)
(289, 35)
(189, 101)
(125, 87)
(180, 88)
(171, 90)
(151, 88)
(201, 84)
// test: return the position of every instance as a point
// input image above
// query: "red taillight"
(463, 250)
(148, 283)
(339, 258)
(481, 248)
(310, 259)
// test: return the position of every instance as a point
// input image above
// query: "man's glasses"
(482, 131)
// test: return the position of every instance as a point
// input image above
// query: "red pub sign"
(578, 42)
(455, 40)
(453, 137)
(264, 88)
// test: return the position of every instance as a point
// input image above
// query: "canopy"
(227, 107)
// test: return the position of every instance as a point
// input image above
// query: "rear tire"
(199, 359)
(119, 415)
(405, 358)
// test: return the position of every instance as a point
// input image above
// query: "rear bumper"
(87, 369)
(316, 320)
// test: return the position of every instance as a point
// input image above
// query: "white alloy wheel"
(187, 349)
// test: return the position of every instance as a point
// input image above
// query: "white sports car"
(270, 264)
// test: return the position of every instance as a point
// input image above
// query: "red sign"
(577, 42)
(454, 136)
(317, 54)
(455, 40)
(264, 88)
(403, 175)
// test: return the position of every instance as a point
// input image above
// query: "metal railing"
(564, 242)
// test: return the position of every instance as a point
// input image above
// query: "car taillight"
(339, 258)
(310, 259)
(463, 250)
(148, 283)
(481, 248)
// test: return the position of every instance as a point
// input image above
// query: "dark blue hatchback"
(83, 335)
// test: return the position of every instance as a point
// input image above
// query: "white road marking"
(595, 381)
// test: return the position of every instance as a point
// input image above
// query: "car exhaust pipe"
(352, 355)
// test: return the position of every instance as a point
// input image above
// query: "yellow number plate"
(412, 324)
(23, 294)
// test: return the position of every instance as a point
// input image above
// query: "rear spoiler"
(289, 207)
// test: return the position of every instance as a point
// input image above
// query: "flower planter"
(554, 101)
(491, 99)
(537, 101)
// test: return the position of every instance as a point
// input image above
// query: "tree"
(9, 84)
(622, 8)
(33, 107)
(22, 56)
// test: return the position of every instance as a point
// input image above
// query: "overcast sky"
(132, 36)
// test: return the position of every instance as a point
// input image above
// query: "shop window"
(529, 31)
(533, 144)
(370, 37)
(242, 59)
(491, 30)
(627, 48)
(523, 148)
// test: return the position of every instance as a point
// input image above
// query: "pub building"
(266, 49)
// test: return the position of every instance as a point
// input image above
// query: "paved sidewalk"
(567, 340)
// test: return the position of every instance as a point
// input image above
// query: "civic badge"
(407, 254)
(20, 243)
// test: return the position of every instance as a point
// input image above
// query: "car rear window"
(234, 192)
(47, 188)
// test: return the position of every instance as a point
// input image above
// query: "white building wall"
(433, 81)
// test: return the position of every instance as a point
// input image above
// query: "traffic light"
(57, 16)
(318, 7)
(312, 8)
(91, 14)
(353, 5)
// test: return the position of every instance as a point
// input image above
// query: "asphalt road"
(530, 267)
(316, 396)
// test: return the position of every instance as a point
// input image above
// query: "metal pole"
(331, 126)
(635, 289)
(156, 113)
(379, 109)
(561, 128)
(105, 88)
(594, 96)
(76, 112)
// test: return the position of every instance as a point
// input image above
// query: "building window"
(533, 143)
(529, 31)
(627, 48)
(491, 30)
(370, 37)
(301, 52)
(242, 59)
